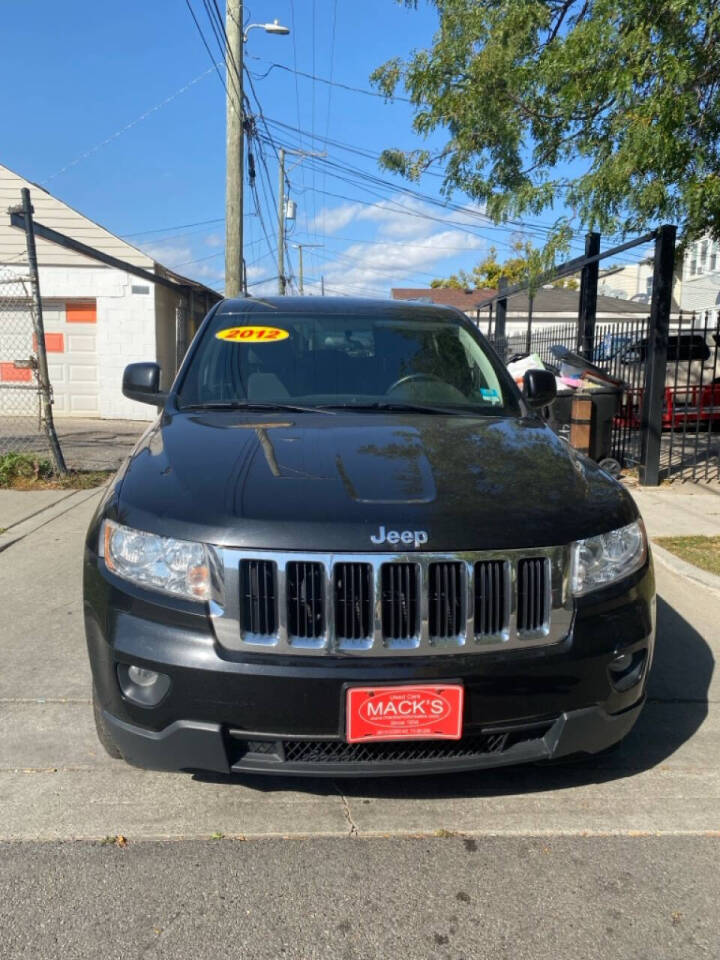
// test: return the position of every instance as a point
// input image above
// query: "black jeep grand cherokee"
(349, 545)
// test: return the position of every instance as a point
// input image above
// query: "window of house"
(713, 259)
(648, 285)
(693, 260)
(702, 258)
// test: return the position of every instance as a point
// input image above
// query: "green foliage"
(24, 471)
(525, 267)
(624, 91)
(22, 466)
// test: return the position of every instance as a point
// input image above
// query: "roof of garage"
(58, 215)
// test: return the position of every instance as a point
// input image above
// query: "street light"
(273, 27)
(235, 282)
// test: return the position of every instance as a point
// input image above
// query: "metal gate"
(21, 429)
(691, 399)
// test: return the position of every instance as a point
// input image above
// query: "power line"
(206, 44)
(130, 125)
(178, 226)
(330, 82)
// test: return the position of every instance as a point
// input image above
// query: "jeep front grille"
(445, 600)
(399, 601)
(532, 599)
(393, 604)
(305, 609)
(491, 598)
(258, 608)
(352, 595)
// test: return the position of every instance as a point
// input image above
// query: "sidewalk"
(679, 510)
(98, 444)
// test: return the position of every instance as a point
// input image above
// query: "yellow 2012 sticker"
(252, 334)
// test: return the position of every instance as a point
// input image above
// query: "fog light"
(627, 670)
(141, 676)
(144, 687)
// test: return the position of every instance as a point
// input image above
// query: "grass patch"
(703, 552)
(23, 471)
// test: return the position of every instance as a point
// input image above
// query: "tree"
(610, 107)
(525, 267)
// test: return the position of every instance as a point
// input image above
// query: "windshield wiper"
(252, 405)
(400, 406)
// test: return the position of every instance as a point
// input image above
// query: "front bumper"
(231, 711)
(190, 746)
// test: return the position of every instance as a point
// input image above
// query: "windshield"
(345, 361)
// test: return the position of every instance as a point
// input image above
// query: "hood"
(331, 482)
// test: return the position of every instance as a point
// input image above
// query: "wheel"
(101, 728)
(611, 466)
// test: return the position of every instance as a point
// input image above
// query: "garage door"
(70, 341)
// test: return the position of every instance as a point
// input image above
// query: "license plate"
(411, 712)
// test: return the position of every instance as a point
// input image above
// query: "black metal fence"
(667, 424)
(690, 405)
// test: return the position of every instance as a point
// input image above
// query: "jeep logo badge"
(415, 537)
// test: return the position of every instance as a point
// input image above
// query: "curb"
(684, 569)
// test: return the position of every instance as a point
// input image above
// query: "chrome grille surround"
(226, 620)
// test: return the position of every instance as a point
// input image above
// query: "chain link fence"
(21, 427)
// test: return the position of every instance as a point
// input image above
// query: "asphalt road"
(520, 899)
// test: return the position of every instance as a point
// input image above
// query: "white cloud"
(372, 269)
(398, 216)
(332, 219)
(214, 240)
(168, 254)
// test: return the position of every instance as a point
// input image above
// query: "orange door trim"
(76, 312)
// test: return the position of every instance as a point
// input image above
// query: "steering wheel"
(410, 377)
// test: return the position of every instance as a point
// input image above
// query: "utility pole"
(322, 286)
(282, 200)
(300, 247)
(281, 223)
(235, 150)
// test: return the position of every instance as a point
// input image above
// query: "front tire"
(102, 730)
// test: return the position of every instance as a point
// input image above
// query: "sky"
(116, 109)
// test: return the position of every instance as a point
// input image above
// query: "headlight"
(599, 561)
(180, 567)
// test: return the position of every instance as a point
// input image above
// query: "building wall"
(633, 281)
(54, 213)
(699, 288)
(125, 330)
(166, 305)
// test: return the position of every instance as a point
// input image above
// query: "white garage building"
(97, 318)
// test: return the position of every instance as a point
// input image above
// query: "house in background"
(97, 318)
(697, 286)
(551, 306)
(630, 282)
(468, 301)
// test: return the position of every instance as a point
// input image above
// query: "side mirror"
(539, 388)
(141, 382)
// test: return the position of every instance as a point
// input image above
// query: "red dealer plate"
(417, 712)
